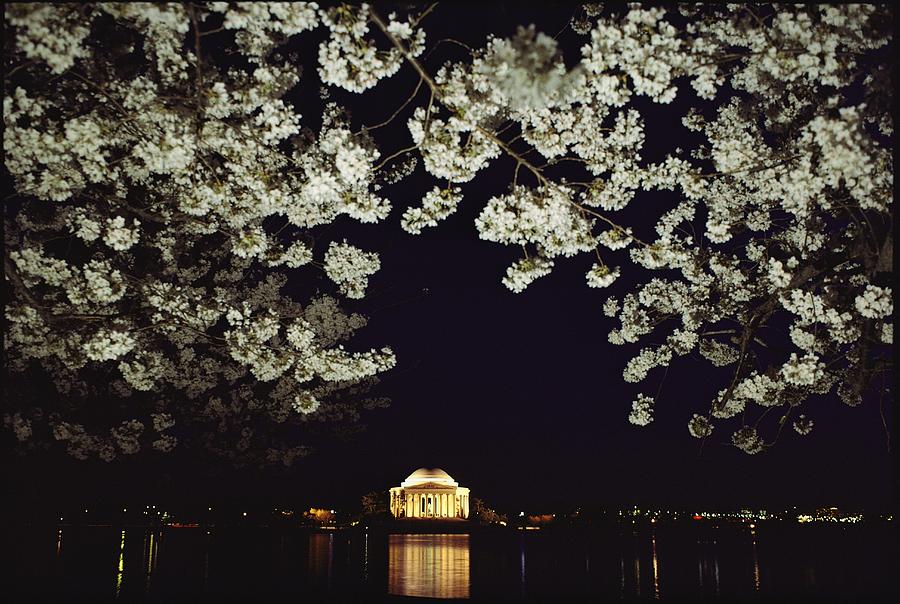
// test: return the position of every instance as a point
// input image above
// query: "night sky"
(518, 396)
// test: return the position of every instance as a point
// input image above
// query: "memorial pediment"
(431, 486)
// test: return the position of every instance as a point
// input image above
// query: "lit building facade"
(430, 493)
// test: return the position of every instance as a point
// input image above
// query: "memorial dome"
(433, 475)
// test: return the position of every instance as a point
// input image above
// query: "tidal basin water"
(107, 563)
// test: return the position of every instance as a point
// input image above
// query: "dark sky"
(521, 397)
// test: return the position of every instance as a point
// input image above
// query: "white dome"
(432, 475)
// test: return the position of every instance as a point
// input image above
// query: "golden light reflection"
(121, 567)
(755, 563)
(430, 566)
(59, 543)
(321, 556)
(152, 552)
(637, 574)
(655, 568)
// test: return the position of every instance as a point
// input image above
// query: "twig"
(436, 93)
(399, 109)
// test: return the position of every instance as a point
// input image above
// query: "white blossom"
(747, 440)
(437, 205)
(108, 344)
(350, 268)
(699, 426)
(601, 275)
(306, 403)
(875, 302)
(641, 410)
(803, 425)
(522, 272)
(118, 236)
(803, 371)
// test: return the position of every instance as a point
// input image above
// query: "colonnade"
(430, 504)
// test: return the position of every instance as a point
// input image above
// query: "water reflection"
(655, 567)
(755, 562)
(522, 562)
(151, 554)
(432, 566)
(120, 570)
(321, 555)
(208, 546)
(708, 564)
(637, 574)
(702, 562)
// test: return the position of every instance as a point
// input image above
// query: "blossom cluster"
(761, 217)
(162, 210)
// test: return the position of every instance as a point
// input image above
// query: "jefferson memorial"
(429, 493)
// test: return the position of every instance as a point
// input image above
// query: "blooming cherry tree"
(163, 207)
(167, 190)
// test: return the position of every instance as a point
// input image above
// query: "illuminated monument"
(429, 493)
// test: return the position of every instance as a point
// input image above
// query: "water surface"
(109, 563)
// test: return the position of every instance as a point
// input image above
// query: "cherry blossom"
(165, 197)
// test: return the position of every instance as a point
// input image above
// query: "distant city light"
(245, 513)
